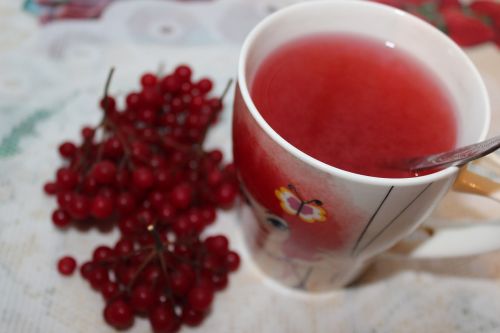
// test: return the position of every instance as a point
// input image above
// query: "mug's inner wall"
(413, 35)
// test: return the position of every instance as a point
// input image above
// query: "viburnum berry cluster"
(144, 170)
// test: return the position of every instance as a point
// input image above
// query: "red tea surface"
(355, 103)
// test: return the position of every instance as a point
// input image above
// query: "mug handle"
(466, 239)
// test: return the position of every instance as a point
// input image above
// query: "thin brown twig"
(140, 269)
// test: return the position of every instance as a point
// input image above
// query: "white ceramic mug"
(360, 216)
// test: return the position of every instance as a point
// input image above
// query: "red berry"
(147, 115)
(196, 220)
(211, 262)
(119, 314)
(60, 218)
(142, 298)
(85, 269)
(181, 226)
(133, 100)
(170, 84)
(162, 319)
(90, 186)
(143, 178)
(232, 261)
(78, 207)
(50, 188)
(102, 207)
(125, 203)
(66, 179)
(200, 298)
(218, 245)
(204, 85)
(192, 317)
(148, 80)
(183, 73)
(195, 106)
(214, 177)
(104, 172)
(102, 254)
(180, 283)
(67, 149)
(150, 97)
(97, 277)
(208, 213)
(128, 226)
(110, 290)
(124, 247)
(216, 156)
(108, 103)
(166, 213)
(163, 178)
(181, 196)
(215, 104)
(152, 274)
(122, 179)
(185, 90)
(177, 105)
(225, 194)
(219, 281)
(112, 148)
(64, 198)
(66, 265)
(88, 133)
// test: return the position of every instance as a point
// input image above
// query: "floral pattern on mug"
(291, 202)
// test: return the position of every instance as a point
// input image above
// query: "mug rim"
(329, 169)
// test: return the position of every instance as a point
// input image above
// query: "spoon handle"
(456, 157)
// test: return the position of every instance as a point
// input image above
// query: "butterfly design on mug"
(291, 202)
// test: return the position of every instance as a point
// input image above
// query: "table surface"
(50, 76)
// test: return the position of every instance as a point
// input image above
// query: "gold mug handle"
(469, 181)
(456, 240)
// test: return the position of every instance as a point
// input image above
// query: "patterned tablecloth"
(50, 77)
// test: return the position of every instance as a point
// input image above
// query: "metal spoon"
(456, 157)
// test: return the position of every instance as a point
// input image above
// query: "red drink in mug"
(327, 92)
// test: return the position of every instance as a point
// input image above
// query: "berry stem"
(140, 269)
(106, 87)
(226, 89)
(156, 237)
(159, 249)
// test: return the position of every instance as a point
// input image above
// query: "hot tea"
(354, 102)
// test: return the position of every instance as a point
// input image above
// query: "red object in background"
(467, 30)
(467, 24)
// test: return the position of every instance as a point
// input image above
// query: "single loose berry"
(66, 265)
